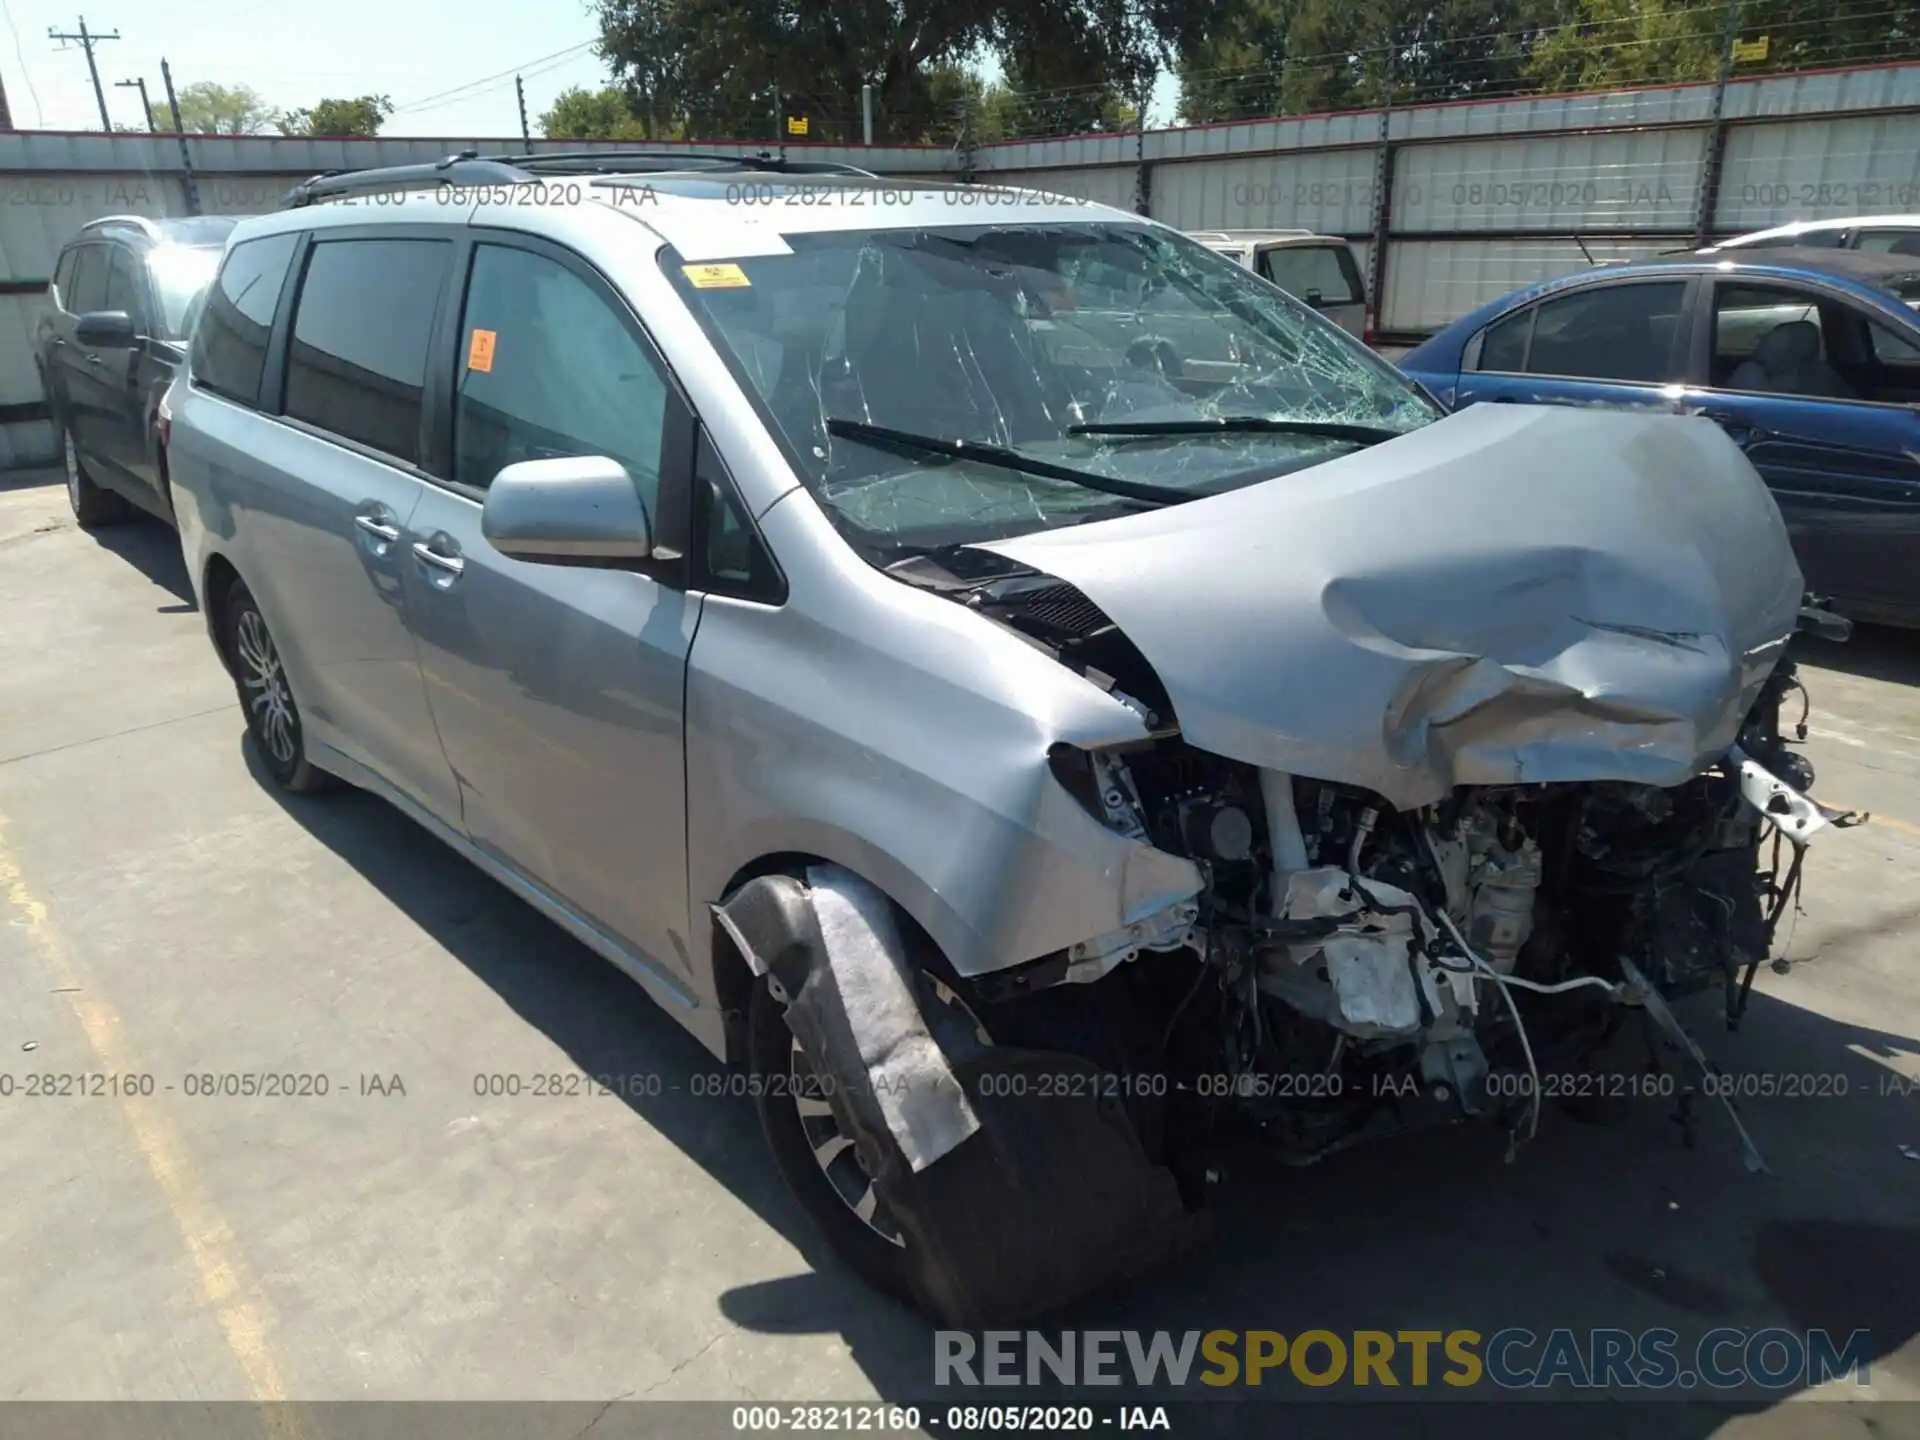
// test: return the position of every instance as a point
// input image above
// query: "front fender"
(922, 768)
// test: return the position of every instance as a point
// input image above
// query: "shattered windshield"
(912, 373)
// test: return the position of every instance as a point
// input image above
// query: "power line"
(525, 68)
(39, 115)
(87, 42)
(420, 107)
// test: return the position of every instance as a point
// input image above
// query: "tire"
(266, 699)
(775, 1061)
(92, 505)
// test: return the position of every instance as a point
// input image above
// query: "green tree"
(724, 69)
(1626, 42)
(362, 115)
(1232, 66)
(1287, 57)
(604, 114)
(210, 109)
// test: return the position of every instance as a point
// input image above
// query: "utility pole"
(866, 113)
(520, 91)
(1142, 177)
(1382, 193)
(779, 123)
(146, 110)
(187, 182)
(87, 42)
(1714, 148)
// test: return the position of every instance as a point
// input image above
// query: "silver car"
(1030, 754)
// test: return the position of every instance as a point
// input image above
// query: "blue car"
(1809, 358)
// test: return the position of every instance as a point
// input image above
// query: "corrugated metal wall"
(1490, 195)
(53, 183)
(1484, 196)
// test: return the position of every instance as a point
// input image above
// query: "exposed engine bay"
(1419, 785)
(1352, 969)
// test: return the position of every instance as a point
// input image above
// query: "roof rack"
(621, 162)
(469, 167)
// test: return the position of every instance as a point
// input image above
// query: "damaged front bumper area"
(1471, 791)
(1358, 971)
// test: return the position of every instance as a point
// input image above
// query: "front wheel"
(93, 505)
(816, 1158)
(273, 719)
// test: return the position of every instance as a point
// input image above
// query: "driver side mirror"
(106, 330)
(574, 510)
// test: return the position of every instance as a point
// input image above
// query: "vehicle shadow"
(1872, 652)
(1620, 1227)
(152, 547)
(32, 477)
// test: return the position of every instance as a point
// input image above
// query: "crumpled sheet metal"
(1512, 594)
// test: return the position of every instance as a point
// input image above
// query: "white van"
(1317, 270)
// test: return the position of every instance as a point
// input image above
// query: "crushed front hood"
(1513, 594)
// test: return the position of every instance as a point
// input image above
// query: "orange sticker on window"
(480, 350)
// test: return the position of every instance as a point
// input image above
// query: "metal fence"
(1452, 203)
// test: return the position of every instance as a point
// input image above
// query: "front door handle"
(438, 559)
(95, 360)
(1738, 430)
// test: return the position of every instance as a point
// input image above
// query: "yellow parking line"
(209, 1239)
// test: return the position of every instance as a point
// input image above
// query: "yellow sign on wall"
(1750, 49)
(796, 125)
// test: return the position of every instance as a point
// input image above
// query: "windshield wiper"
(1005, 459)
(1244, 425)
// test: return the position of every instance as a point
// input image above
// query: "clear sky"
(441, 61)
(411, 50)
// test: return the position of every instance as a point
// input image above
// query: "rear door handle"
(95, 360)
(375, 525)
(424, 552)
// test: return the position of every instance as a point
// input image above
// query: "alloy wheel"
(72, 458)
(835, 1153)
(264, 680)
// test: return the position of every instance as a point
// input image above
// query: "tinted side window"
(358, 363)
(734, 559)
(1743, 316)
(230, 342)
(1504, 343)
(1890, 242)
(1817, 239)
(124, 290)
(89, 281)
(63, 279)
(1302, 269)
(1616, 332)
(1892, 349)
(548, 368)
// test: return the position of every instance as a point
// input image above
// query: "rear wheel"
(273, 719)
(92, 505)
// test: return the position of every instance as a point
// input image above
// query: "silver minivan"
(1031, 754)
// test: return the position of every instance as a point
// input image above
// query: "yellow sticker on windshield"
(716, 277)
